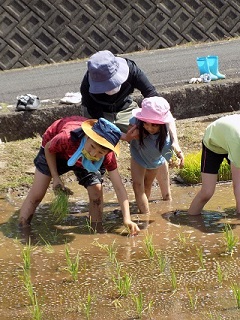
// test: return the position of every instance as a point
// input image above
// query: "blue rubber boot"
(213, 66)
(202, 63)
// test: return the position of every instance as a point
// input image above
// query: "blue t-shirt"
(149, 156)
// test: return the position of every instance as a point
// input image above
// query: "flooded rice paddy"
(178, 267)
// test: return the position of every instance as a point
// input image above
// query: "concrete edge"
(188, 101)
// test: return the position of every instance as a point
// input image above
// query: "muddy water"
(192, 248)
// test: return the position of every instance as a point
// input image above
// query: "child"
(153, 147)
(221, 140)
(82, 145)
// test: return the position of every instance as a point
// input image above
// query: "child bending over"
(87, 147)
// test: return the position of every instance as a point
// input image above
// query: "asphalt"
(165, 68)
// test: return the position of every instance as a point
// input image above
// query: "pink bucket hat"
(154, 110)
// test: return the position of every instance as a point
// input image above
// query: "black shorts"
(84, 177)
(211, 161)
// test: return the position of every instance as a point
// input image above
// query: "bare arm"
(175, 143)
(123, 201)
(51, 161)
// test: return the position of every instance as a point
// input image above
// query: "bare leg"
(34, 197)
(138, 175)
(95, 195)
(205, 194)
(236, 186)
(164, 181)
(150, 175)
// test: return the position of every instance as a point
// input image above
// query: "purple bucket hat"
(154, 110)
(106, 72)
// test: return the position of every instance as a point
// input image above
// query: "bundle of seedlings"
(191, 172)
(59, 206)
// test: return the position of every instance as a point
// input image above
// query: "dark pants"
(84, 177)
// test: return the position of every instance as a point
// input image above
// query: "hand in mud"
(66, 190)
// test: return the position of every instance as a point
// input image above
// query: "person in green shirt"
(221, 140)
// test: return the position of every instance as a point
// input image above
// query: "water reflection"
(208, 221)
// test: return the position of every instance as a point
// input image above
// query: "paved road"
(164, 67)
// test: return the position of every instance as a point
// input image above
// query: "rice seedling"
(173, 279)
(162, 261)
(193, 298)
(72, 265)
(224, 173)
(219, 273)
(89, 227)
(59, 206)
(150, 249)
(138, 300)
(123, 284)
(200, 256)
(26, 255)
(236, 292)
(87, 306)
(48, 246)
(183, 238)
(191, 173)
(230, 239)
(110, 249)
(139, 305)
(35, 309)
(28, 286)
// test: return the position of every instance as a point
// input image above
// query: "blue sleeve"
(132, 120)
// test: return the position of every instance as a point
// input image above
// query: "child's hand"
(133, 227)
(181, 158)
(177, 160)
(131, 134)
(60, 187)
